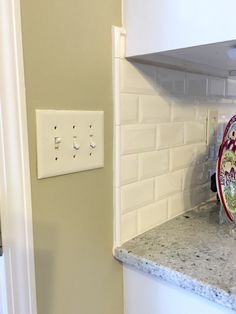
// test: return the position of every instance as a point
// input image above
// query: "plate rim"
(219, 189)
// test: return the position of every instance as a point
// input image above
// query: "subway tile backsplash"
(154, 109)
(136, 195)
(138, 138)
(195, 132)
(163, 163)
(153, 163)
(170, 135)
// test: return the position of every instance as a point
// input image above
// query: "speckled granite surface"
(191, 251)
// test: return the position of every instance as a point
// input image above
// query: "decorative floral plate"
(230, 130)
(226, 174)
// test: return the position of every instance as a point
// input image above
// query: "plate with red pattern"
(226, 170)
(230, 130)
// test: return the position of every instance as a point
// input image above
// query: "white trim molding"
(118, 51)
(15, 194)
(116, 140)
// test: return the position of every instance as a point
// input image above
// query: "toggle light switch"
(92, 144)
(76, 145)
(69, 141)
(57, 142)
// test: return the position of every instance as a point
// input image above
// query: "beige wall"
(67, 55)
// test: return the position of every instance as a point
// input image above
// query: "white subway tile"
(225, 101)
(182, 157)
(179, 85)
(165, 79)
(183, 112)
(202, 110)
(199, 195)
(201, 153)
(168, 184)
(143, 203)
(137, 194)
(154, 108)
(195, 132)
(136, 78)
(137, 138)
(152, 215)
(196, 175)
(188, 199)
(171, 81)
(189, 180)
(231, 88)
(196, 196)
(213, 152)
(175, 205)
(170, 135)
(196, 85)
(216, 86)
(128, 226)
(154, 163)
(128, 108)
(212, 167)
(129, 169)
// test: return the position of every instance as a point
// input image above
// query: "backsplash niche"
(163, 155)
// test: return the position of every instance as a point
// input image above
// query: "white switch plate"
(69, 141)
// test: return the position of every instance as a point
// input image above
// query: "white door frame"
(15, 194)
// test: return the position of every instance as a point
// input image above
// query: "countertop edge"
(179, 279)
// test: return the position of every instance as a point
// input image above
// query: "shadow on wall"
(190, 97)
(173, 83)
(196, 186)
(187, 93)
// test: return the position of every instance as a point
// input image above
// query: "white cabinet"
(3, 297)
(194, 35)
(143, 294)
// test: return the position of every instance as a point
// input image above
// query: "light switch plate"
(69, 141)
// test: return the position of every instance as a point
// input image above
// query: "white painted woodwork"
(3, 297)
(15, 194)
(144, 294)
(193, 35)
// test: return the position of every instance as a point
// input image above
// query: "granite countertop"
(191, 251)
